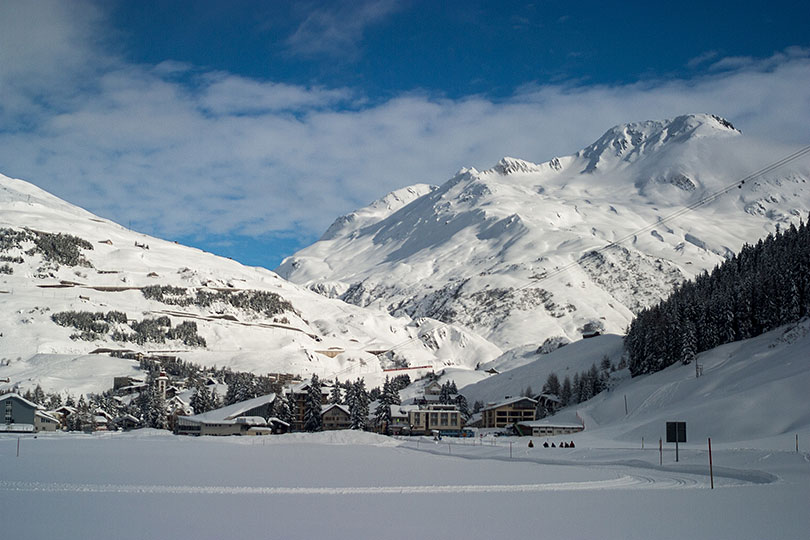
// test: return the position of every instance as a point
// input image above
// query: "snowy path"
(618, 483)
(657, 476)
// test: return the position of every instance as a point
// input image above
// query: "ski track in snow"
(622, 482)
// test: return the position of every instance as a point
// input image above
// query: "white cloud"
(230, 155)
(336, 28)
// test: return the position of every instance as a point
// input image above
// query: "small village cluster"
(312, 405)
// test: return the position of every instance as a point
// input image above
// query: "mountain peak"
(376, 211)
(627, 142)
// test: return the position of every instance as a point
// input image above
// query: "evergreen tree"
(214, 400)
(358, 405)
(552, 385)
(38, 396)
(54, 401)
(282, 409)
(688, 342)
(335, 396)
(388, 398)
(201, 400)
(313, 421)
(566, 392)
(461, 404)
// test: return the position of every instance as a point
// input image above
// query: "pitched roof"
(228, 413)
(509, 401)
(326, 408)
(19, 397)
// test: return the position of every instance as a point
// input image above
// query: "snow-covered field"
(145, 484)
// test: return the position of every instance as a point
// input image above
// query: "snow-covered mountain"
(56, 258)
(501, 251)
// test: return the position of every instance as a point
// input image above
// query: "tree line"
(763, 287)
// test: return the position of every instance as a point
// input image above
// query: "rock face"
(524, 251)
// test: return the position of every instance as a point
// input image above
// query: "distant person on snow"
(571, 444)
(531, 444)
(545, 444)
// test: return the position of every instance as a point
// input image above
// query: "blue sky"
(245, 127)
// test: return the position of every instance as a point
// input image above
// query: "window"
(9, 419)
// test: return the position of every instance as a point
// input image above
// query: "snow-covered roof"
(509, 401)
(549, 422)
(251, 420)
(326, 408)
(547, 397)
(19, 397)
(17, 427)
(228, 413)
(43, 414)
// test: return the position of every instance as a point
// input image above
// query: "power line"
(679, 213)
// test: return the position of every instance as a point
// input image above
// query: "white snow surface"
(750, 400)
(752, 389)
(148, 484)
(484, 248)
(34, 350)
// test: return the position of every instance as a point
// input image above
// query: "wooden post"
(449, 449)
(625, 404)
(660, 452)
(18, 447)
(642, 443)
(797, 443)
(711, 470)
(510, 449)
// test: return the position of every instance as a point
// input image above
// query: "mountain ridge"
(483, 240)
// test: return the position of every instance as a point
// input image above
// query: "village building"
(335, 416)
(278, 426)
(62, 414)
(400, 419)
(297, 396)
(428, 418)
(547, 427)
(235, 419)
(44, 421)
(508, 412)
(127, 422)
(19, 414)
(548, 403)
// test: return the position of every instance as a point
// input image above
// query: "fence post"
(660, 452)
(711, 470)
(510, 449)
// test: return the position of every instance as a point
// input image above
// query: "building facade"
(335, 416)
(428, 418)
(508, 412)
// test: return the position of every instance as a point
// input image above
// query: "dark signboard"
(676, 432)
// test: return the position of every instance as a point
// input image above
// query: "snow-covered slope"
(749, 390)
(249, 318)
(484, 250)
